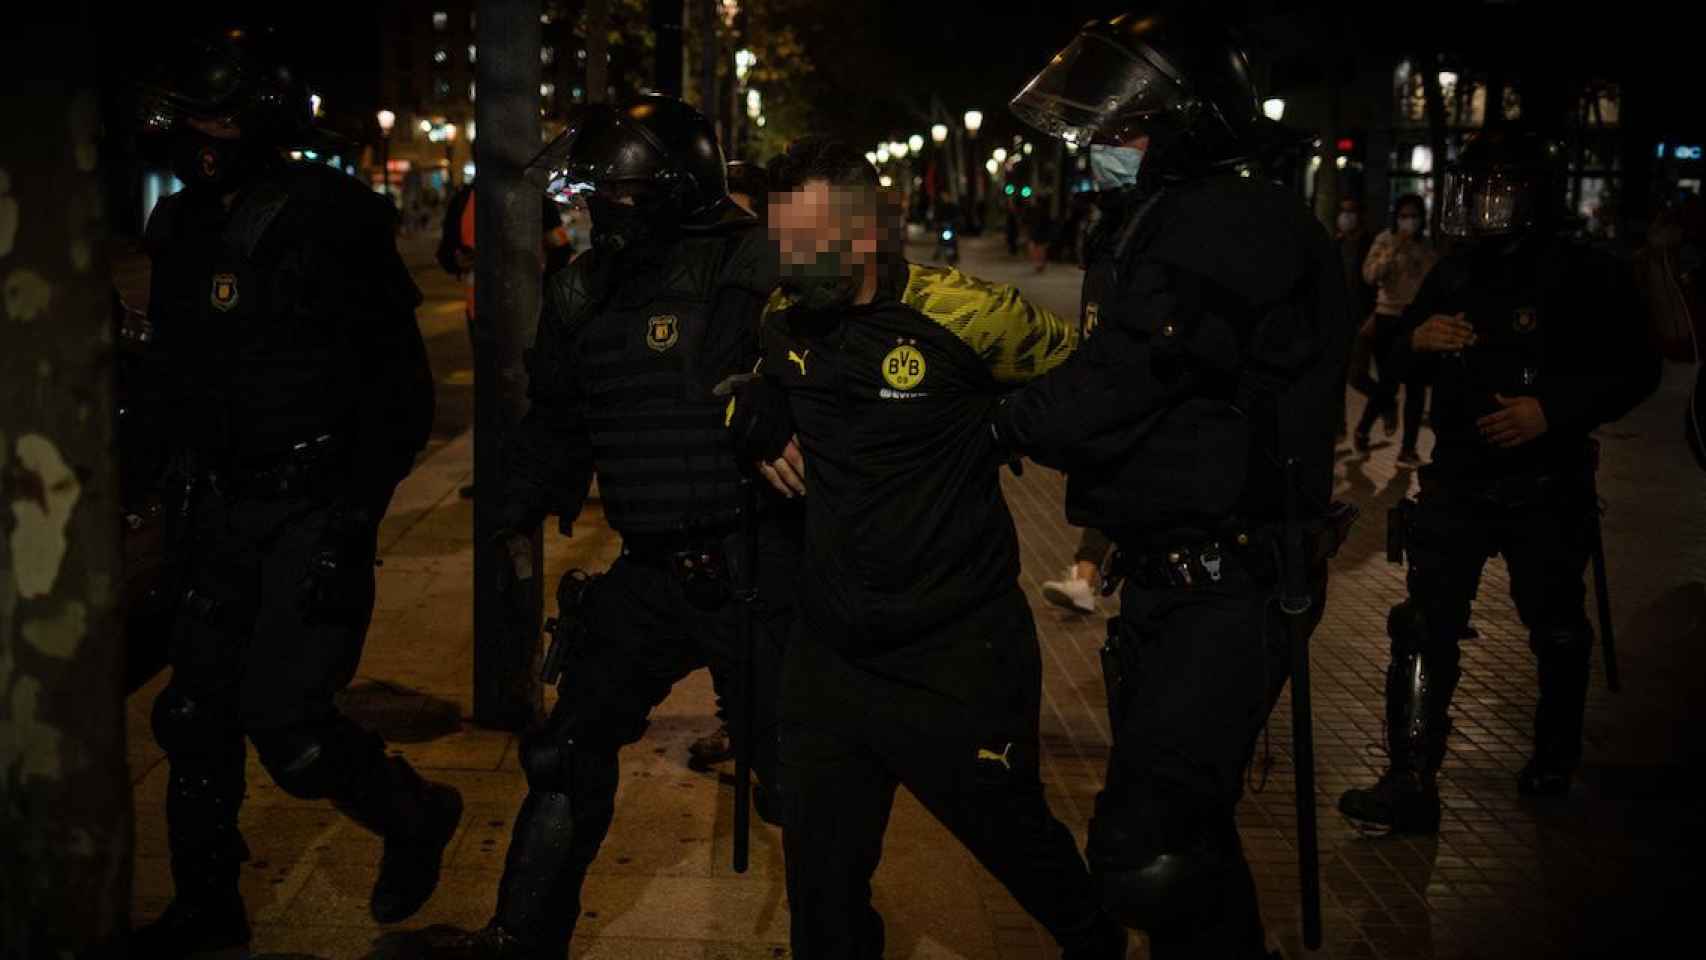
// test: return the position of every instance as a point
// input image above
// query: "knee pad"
(1407, 626)
(185, 725)
(312, 762)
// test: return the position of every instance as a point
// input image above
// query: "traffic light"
(1008, 190)
(1025, 193)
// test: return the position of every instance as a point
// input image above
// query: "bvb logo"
(224, 295)
(1526, 319)
(661, 332)
(903, 368)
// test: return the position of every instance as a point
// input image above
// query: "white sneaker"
(1071, 593)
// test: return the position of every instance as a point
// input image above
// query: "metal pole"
(65, 877)
(506, 303)
(666, 29)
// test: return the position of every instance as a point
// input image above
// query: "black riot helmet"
(655, 150)
(235, 75)
(1174, 75)
(1504, 183)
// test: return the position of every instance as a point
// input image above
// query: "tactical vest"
(254, 325)
(663, 456)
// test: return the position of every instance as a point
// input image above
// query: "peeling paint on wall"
(45, 491)
(60, 636)
(26, 295)
(85, 122)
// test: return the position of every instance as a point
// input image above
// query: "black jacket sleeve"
(548, 456)
(395, 410)
(1611, 361)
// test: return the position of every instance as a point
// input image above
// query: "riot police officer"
(1540, 341)
(634, 338)
(299, 395)
(1221, 335)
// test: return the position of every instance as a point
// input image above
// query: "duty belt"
(1197, 562)
(307, 468)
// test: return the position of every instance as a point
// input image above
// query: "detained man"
(916, 660)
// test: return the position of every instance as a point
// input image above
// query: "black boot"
(206, 916)
(416, 818)
(1563, 656)
(1406, 797)
(1543, 778)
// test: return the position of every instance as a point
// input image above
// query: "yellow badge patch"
(903, 368)
(662, 332)
(224, 296)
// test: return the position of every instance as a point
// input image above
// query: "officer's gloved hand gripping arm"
(1094, 407)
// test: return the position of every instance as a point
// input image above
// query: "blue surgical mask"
(1114, 167)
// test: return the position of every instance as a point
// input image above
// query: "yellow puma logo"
(1001, 758)
(800, 359)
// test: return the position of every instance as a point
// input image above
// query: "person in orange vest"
(456, 255)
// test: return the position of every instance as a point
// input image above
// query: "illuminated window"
(473, 53)
(440, 21)
(470, 90)
(547, 55)
(441, 55)
(580, 54)
(547, 89)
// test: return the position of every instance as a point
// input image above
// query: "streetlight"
(915, 143)
(991, 166)
(1000, 155)
(754, 104)
(314, 102)
(1274, 109)
(882, 153)
(426, 126)
(939, 133)
(387, 120)
(1028, 148)
(974, 121)
(871, 157)
(886, 180)
(745, 60)
(897, 150)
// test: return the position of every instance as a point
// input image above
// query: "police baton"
(1295, 603)
(746, 594)
(1601, 591)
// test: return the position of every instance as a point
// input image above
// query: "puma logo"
(800, 358)
(1001, 758)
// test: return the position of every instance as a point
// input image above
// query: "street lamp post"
(387, 120)
(974, 123)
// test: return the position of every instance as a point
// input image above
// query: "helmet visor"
(1487, 203)
(1094, 90)
(601, 152)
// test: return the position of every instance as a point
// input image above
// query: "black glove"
(762, 423)
(337, 587)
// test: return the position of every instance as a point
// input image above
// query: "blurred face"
(827, 239)
(1409, 220)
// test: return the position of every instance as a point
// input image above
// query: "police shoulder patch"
(224, 294)
(662, 332)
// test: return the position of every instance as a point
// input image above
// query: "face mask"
(624, 228)
(1347, 221)
(825, 283)
(1409, 226)
(204, 162)
(1114, 167)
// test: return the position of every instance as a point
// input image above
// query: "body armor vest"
(254, 324)
(663, 456)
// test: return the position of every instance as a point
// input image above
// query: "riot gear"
(1503, 184)
(235, 76)
(655, 151)
(1175, 76)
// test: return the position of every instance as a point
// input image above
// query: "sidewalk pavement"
(1597, 874)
